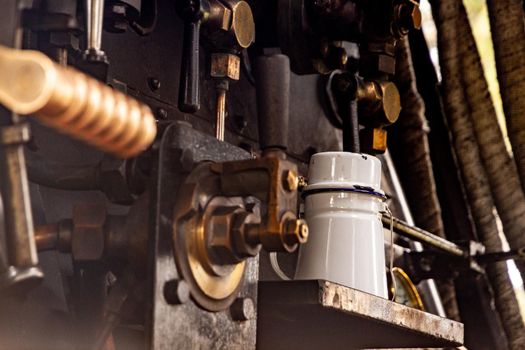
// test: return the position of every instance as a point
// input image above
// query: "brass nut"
(220, 235)
(373, 140)
(296, 232)
(410, 16)
(225, 65)
(244, 233)
(290, 180)
(87, 239)
(220, 16)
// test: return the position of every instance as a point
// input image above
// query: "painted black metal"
(186, 326)
(273, 99)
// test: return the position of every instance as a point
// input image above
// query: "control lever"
(20, 271)
(229, 29)
(194, 13)
(273, 99)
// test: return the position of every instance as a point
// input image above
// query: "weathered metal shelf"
(323, 315)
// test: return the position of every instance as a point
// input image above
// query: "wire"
(276, 268)
(391, 262)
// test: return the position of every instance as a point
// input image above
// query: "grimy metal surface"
(187, 326)
(320, 314)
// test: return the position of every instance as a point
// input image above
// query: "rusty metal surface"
(186, 326)
(316, 314)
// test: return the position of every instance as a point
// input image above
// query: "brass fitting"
(290, 180)
(225, 66)
(296, 231)
(373, 140)
(407, 16)
(74, 103)
(379, 101)
(236, 18)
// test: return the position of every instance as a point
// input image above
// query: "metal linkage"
(425, 237)
(474, 250)
(21, 271)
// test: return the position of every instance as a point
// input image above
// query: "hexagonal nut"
(225, 66)
(296, 232)
(220, 16)
(290, 180)
(373, 140)
(87, 239)
(245, 231)
(220, 233)
(410, 16)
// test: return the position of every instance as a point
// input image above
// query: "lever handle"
(189, 94)
(273, 100)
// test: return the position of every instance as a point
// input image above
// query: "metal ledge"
(320, 315)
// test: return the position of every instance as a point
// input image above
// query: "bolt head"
(290, 180)
(153, 83)
(225, 66)
(176, 292)
(242, 309)
(296, 232)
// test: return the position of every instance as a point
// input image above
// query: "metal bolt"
(296, 232)
(176, 292)
(302, 183)
(242, 309)
(290, 180)
(162, 113)
(153, 83)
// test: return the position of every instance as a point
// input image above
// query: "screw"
(162, 114)
(242, 309)
(153, 83)
(302, 183)
(290, 180)
(176, 292)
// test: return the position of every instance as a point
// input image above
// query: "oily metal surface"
(199, 196)
(316, 314)
(187, 326)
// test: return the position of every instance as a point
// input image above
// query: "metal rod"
(220, 112)
(94, 20)
(501, 256)
(425, 237)
(428, 287)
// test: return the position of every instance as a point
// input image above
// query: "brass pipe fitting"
(74, 103)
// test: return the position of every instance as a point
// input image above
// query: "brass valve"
(74, 103)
